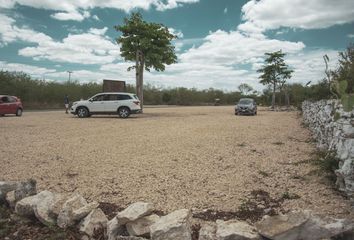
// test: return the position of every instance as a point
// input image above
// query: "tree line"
(41, 94)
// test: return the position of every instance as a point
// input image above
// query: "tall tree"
(245, 89)
(148, 44)
(274, 72)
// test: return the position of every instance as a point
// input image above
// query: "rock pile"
(138, 221)
(333, 129)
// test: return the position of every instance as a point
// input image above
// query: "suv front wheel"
(82, 112)
(123, 112)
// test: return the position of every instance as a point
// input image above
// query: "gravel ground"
(177, 157)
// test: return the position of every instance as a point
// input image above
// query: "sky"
(221, 43)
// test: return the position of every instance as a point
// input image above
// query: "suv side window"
(98, 98)
(124, 97)
(111, 97)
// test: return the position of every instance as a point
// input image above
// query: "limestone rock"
(94, 221)
(6, 187)
(84, 211)
(302, 225)
(283, 227)
(141, 227)
(25, 189)
(129, 238)
(321, 228)
(114, 229)
(43, 209)
(174, 226)
(66, 215)
(134, 212)
(207, 232)
(235, 230)
(10, 199)
(25, 207)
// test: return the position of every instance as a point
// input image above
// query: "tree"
(275, 72)
(148, 44)
(245, 89)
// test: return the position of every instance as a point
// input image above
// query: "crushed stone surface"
(175, 157)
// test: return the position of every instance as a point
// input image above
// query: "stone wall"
(333, 129)
(139, 221)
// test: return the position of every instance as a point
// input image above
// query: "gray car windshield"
(245, 101)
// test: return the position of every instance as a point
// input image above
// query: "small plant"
(289, 196)
(327, 163)
(346, 99)
(263, 173)
(278, 143)
(336, 116)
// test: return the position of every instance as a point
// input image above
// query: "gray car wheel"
(123, 112)
(82, 112)
(19, 112)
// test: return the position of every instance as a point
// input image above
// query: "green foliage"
(43, 94)
(245, 89)
(327, 163)
(347, 99)
(152, 39)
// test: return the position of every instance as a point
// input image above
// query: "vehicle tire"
(255, 113)
(19, 112)
(82, 112)
(123, 112)
(236, 113)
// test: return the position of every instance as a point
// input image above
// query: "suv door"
(96, 103)
(111, 103)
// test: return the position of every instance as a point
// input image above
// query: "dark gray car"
(247, 106)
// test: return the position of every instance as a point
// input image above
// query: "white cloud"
(315, 14)
(225, 10)
(70, 10)
(34, 71)
(350, 35)
(233, 47)
(74, 15)
(176, 32)
(85, 48)
(10, 33)
(95, 17)
(310, 66)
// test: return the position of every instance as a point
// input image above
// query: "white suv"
(119, 103)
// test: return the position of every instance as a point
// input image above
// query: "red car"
(10, 105)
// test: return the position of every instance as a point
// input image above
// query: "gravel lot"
(177, 157)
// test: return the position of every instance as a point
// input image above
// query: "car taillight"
(136, 102)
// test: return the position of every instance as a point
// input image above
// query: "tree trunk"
(139, 68)
(273, 97)
(287, 99)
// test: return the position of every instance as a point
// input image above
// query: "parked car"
(10, 105)
(119, 103)
(246, 106)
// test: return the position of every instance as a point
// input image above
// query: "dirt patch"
(181, 157)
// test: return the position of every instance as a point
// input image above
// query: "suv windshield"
(245, 101)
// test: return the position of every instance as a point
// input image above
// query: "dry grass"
(182, 157)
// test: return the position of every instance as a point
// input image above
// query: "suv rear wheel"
(82, 112)
(123, 112)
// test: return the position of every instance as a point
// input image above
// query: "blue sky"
(221, 43)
